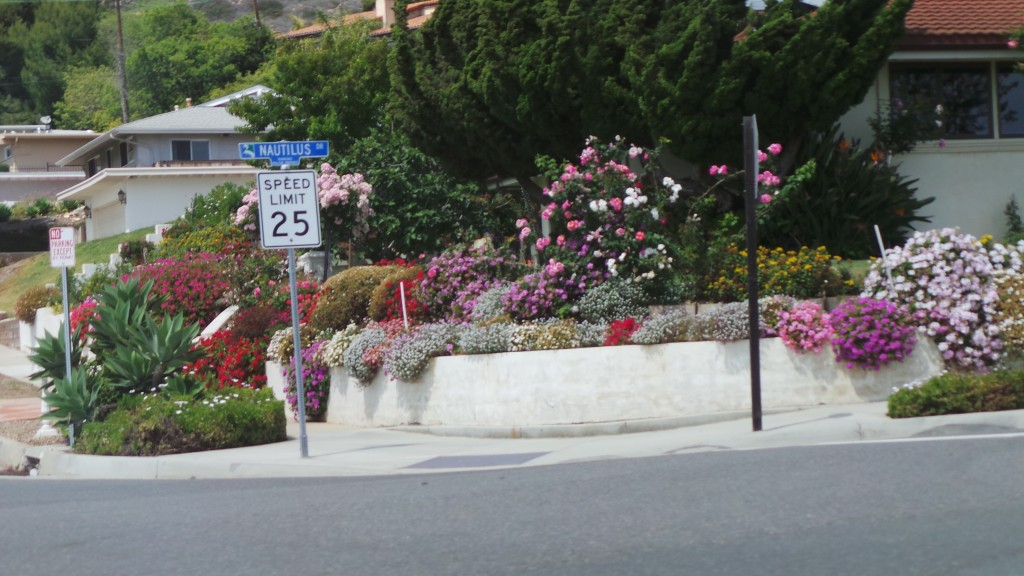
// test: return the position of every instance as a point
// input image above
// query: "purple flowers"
(870, 333)
(316, 382)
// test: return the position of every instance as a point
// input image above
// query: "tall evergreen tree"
(486, 85)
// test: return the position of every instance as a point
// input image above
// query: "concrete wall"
(609, 384)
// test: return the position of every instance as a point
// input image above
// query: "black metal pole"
(750, 166)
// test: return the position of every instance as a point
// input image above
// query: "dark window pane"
(1011, 101)
(181, 150)
(200, 150)
(123, 152)
(958, 96)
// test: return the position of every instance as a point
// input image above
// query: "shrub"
(345, 297)
(154, 425)
(134, 251)
(803, 273)
(193, 286)
(183, 238)
(490, 304)
(408, 355)
(835, 198)
(544, 294)
(606, 216)
(1009, 314)
(74, 400)
(546, 334)
(259, 322)
(620, 331)
(282, 344)
(333, 352)
(230, 360)
(217, 207)
(613, 300)
(316, 382)
(386, 300)
(945, 277)
(454, 280)
(871, 333)
(5, 212)
(489, 338)
(959, 393)
(365, 353)
(771, 309)
(41, 207)
(671, 326)
(83, 288)
(725, 323)
(804, 328)
(34, 298)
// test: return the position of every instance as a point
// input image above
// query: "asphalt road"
(939, 507)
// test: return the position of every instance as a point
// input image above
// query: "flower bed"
(609, 384)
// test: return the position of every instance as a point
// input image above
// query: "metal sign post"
(290, 219)
(751, 168)
(62, 255)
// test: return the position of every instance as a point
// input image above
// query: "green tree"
(174, 53)
(487, 85)
(332, 88)
(418, 207)
(90, 100)
(60, 34)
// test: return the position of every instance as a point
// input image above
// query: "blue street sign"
(283, 153)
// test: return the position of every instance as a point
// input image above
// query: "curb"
(582, 429)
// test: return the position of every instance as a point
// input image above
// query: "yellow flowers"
(804, 273)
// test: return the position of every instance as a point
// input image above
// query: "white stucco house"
(146, 172)
(954, 66)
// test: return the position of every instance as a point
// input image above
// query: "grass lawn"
(36, 271)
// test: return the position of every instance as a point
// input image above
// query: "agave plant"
(74, 400)
(49, 356)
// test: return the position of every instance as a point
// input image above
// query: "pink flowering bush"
(345, 199)
(453, 281)
(870, 333)
(805, 327)
(193, 285)
(946, 278)
(607, 219)
(544, 294)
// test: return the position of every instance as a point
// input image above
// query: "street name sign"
(283, 153)
(62, 247)
(289, 209)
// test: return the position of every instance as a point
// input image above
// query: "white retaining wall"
(608, 384)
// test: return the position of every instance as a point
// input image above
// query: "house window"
(190, 150)
(123, 151)
(1010, 87)
(7, 153)
(959, 96)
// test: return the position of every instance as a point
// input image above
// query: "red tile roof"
(935, 24)
(418, 14)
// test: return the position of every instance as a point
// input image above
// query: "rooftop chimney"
(385, 10)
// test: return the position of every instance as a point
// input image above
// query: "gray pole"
(299, 388)
(67, 327)
(750, 167)
(121, 70)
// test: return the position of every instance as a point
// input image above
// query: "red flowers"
(620, 331)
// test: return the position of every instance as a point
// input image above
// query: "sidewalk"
(336, 450)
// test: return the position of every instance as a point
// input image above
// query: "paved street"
(941, 507)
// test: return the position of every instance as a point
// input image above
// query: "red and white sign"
(62, 247)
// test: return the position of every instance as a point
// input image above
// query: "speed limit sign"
(289, 209)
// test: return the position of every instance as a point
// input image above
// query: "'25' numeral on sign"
(281, 219)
